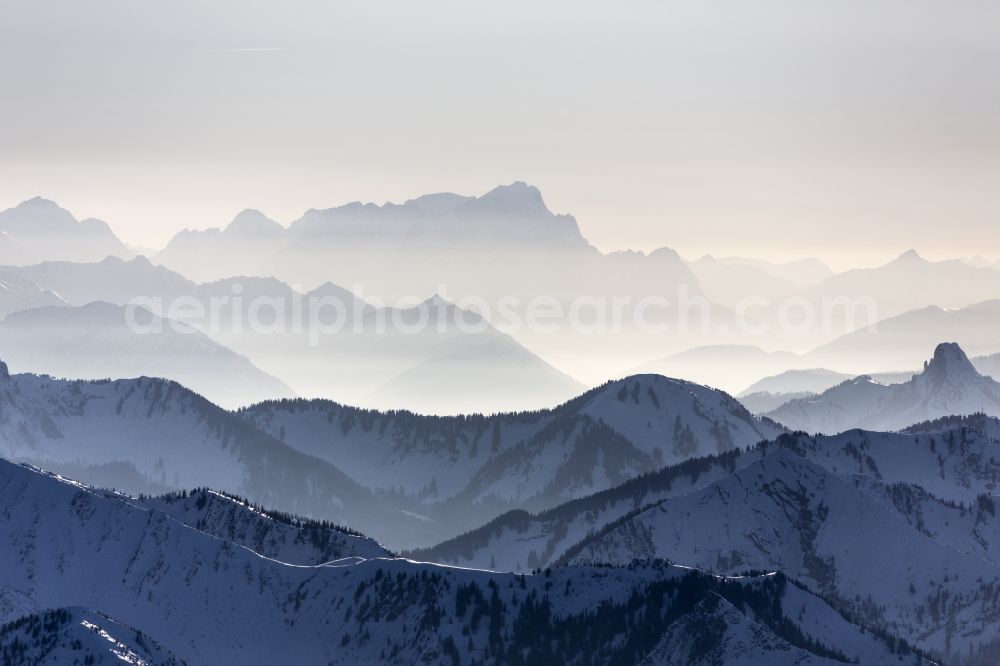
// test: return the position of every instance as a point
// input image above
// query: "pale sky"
(847, 130)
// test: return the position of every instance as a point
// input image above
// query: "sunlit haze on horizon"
(849, 132)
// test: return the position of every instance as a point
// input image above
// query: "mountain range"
(726, 366)
(39, 230)
(461, 471)
(729, 280)
(949, 385)
(466, 247)
(769, 393)
(444, 494)
(415, 479)
(786, 513)
(901, 342)
(397, 250)
(95, 341)
(196, 597)
(17, 293)
(911, 282)
(430, 357)
(504, 249)
(921, 498)
(150, 435)
(951, 459)
(887, 351)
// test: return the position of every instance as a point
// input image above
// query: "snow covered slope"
(279, 536)
(74, 635)
(949, 385)
(954, 460)
(915, 576)
(420, 480)
(770, 393)
(471, 468)
(152, 435)
(212, 601)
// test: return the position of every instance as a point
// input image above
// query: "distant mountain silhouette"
(901, 342)
(95, 342)
(910, 282)
(19, 293)
(372, 359)
(729, 367)
(39, 230)
(503, 243)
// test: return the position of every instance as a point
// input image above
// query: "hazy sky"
(847, 130)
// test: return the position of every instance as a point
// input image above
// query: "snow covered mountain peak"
(656, 392)
(4, 372)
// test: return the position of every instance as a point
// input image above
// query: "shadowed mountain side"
(952, 459)
(212, 600)
(796, 504)
(785, 513)
(416, 479)
(146, 435)
(76, 635)
(456, 471)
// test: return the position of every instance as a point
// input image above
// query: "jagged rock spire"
(949, 362)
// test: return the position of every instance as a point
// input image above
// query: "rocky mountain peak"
(949, 364)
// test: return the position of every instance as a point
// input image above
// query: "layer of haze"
(849, 131)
